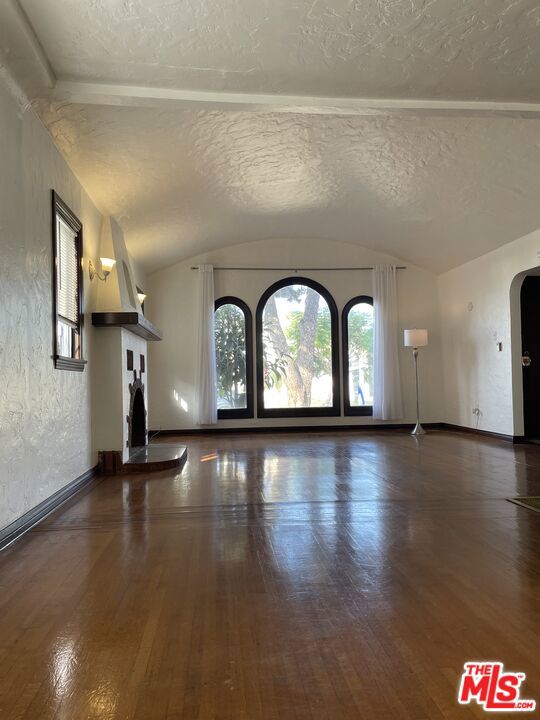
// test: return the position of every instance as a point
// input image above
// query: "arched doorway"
(530, 355)
(521, 316)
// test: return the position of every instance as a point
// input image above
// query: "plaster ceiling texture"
(436, 191)
(139, 95)
(451, 49)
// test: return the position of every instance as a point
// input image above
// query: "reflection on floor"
(325, 576)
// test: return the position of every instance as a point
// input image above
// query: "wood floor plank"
(333, 576)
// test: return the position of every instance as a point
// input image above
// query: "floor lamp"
(415, 339)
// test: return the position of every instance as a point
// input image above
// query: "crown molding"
(96, 93)
(23, 54)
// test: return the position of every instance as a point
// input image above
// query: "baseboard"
(336, 428)
(19, 527)
(289, 429)
(485, 433)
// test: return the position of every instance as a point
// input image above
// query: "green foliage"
(275, 369)
(231, 352)
(360, 338)
(230, 334)
(281, 345)
(360, 325)
(292, 293)
(323, 339)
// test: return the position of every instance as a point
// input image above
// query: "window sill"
(235, 414)
(363, 410)
(297, 412)
(65, 363)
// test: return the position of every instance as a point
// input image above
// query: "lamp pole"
(416, 338)
(418, 429)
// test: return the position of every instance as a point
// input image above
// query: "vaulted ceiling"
(409, 127)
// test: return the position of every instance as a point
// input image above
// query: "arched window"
(234, 364)
(357, 332)
(297, 350)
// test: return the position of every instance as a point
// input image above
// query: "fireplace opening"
(138, 420)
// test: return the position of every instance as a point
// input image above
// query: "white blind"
(67, 289)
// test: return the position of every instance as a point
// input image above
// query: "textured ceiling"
(436, 191)
(451, 49)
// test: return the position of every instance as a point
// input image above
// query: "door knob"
(526, 359)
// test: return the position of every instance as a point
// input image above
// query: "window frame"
(335, 409)
(348, 409)
(60, 209)
(248, 411)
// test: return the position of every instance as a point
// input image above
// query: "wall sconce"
(107, 265)
(141, 296)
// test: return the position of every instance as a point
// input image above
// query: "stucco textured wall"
(172, 305)
(45, 438)
(479, 304)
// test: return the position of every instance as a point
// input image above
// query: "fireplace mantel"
(135, 322)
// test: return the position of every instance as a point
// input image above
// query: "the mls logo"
(487, 684)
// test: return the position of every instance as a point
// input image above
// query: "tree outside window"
(298, 354)
(233, 344)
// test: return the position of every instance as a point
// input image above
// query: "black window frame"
(348, 409)
(248, 411)
(335, 409)
(61, 209)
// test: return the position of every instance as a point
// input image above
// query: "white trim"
(143, 96)
(17, 15)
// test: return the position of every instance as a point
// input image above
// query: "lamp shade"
(415, 338)
(107, 264)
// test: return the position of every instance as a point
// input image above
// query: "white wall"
(138, 346)
(119, 292)
(476, 374)
(172, 306)
(45, 437)
(108, 368)
(111, 395)
(140, 277)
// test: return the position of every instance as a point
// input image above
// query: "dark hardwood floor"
(321, 576)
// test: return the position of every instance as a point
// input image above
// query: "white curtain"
(206, 355)
(387, 401)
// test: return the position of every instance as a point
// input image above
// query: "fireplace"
(137, 435)
(119, 357)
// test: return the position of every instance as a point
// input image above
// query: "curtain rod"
(282, 269)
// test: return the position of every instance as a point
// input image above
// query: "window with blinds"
(67, 283)
(67, 246)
